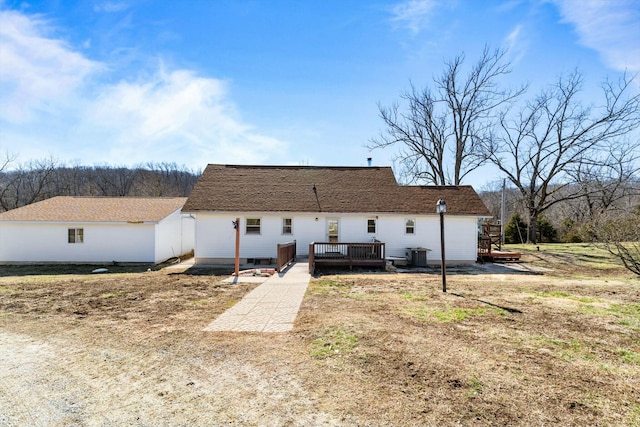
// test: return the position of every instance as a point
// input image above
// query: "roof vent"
(369, 161)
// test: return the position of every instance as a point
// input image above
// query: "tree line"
(609, 218)
(37, 180)
(572, 221)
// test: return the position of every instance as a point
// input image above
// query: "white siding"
(173, 237)
(103, 243)
(461, 234)
(188, 233)
(215, 236)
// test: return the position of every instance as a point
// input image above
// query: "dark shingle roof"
(97, 209)
(234, 188)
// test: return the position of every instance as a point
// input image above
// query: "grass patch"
(553, 294)
(576, 254)
(629, 356)
(634, 417)
(420, 313)
(568, 350)
(231, 303)
(332, 283)
(411, 297)
(8, 291)
(457, 314)
(476, 387)
(626, 314)
(560, 294)
(451, 314)
(327, 286)
(333, 342)
(108, 295)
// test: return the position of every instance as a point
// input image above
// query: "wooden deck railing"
(484, 246)
(350, 254)
(286, 254)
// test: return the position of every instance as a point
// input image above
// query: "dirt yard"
(502, 347)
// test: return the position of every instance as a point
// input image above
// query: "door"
(333, 226)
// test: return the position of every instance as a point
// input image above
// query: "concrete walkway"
(271, 307)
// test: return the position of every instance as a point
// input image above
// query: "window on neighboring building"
(410, 226)
(253, 226)
(287, 226)
(76, 235)
(371, 226)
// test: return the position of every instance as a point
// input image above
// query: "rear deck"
(327, 254)
(487, 253)
(500, 256)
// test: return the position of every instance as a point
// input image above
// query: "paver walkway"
(271, 307)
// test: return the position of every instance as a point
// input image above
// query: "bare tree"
(555, 133)
(620, 236)
(115, 181)
(165, 179)
(607, 178)
(440, 134)
(5, 178)
(27, 184)
(6, 160)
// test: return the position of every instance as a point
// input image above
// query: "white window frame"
(285, 226)
(255, 229)
(75, 235)
(375, 225)
(406, 226)
(333, 238)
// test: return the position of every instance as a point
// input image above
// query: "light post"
(441, 208)
(236, 226)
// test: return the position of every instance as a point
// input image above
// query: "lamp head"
(441, 206)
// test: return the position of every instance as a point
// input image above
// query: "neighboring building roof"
(234, 188)
(97, 209)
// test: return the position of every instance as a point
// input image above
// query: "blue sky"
(268, 82)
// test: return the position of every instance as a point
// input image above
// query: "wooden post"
(237, 224)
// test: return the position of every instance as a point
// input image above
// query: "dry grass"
(500, 348)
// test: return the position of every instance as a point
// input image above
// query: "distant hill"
(44, 179)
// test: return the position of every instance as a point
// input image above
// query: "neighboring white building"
(277, 204)
(97, 230)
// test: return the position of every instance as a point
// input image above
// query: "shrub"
(516, 230)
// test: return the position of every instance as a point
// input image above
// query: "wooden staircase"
(490, 239)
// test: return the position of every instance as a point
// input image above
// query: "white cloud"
(610, 27)
(413, 14)
(513, 37)
(54, 101)
(177, 111)
(515, 44)
(36, 72)
(110, 6)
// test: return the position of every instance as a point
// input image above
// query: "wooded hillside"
(42, 179)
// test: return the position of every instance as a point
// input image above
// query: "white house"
(96, 230)
(277, 204)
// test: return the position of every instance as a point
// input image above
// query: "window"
(287, 226)
(333, 225)
(76, 235)
(371, 226)
(253, 226)
(410, 226)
